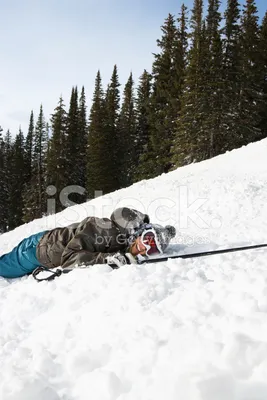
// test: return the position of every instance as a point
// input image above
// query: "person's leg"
(22, 259)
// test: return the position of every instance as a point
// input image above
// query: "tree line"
(206, 94)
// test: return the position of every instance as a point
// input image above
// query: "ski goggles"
(150, 241)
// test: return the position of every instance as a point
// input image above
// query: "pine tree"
(56, 158)
(231, 77)
(17, 180)
(231, 44)
(128, 136)
(72, 138)
(34, 198)
(73, 149)
(97, 150)
(29, 150)
(190, 134)
(39, 160)
(180, 55)
(164, 100)
(83, 137)
(3, 199)
(112, 102)
(249, 95)
(7, 187)
(263, 58)
(143, 112)
(213, 138)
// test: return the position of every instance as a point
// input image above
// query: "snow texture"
(182, 329)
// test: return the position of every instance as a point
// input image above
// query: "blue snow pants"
(22, 259)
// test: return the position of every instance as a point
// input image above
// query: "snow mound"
(190, 329)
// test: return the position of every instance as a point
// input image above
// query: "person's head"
(151, 239)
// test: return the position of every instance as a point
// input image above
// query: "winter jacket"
(90, 241)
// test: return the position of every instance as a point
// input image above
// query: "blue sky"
(48, 46)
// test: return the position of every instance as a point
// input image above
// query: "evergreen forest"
(206, 93)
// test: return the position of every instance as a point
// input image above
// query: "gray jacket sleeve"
(80, 251)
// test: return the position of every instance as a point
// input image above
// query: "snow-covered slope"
(188, 329)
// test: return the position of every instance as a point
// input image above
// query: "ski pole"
(203, 253)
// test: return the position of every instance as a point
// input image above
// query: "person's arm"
(81, 251)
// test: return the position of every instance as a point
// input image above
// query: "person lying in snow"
(116, 241)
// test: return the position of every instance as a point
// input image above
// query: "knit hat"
(164, 234)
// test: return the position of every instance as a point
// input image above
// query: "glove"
(119, 259)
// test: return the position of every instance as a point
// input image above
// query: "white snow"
(193, 329)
